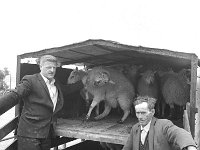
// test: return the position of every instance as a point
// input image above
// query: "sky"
(33, 25)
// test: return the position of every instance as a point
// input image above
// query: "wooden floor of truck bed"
(105, 130)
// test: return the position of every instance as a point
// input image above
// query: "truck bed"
(105, 130)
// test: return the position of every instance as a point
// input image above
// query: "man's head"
(48, 64)
(144, 108)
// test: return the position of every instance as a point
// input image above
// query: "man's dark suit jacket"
(163, 135)
(37, 113)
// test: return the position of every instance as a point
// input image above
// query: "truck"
(98, 52)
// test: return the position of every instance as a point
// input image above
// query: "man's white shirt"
(52, 90)
(144, 132)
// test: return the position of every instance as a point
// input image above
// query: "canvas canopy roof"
(101, 52)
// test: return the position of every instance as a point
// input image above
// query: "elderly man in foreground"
(156, 134)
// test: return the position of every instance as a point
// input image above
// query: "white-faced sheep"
(110, 86)
(175, 90)
(77, 75)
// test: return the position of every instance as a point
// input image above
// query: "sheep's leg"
(87, 100)
(85, 96)
(172, 111)
(163, 104)
(106, 111)
(97, 109)
(158, 108)
(125, 104)
(94, 103)
(126, 113)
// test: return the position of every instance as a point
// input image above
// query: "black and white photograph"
(99, 75)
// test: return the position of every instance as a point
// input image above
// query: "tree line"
(3, 84)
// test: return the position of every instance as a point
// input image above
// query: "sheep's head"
(75, 76)
(148, 76)
(101, 78)
(185, 74)
(132, 70)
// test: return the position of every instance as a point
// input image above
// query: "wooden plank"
(17, 107)
(5, 130)
(186, 123)
(194, 65)
(12, 146)
(7, 101)
(105, 130)
(60, 140)
(197, 126)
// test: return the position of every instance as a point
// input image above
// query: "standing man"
(43, 98)
(156, 134)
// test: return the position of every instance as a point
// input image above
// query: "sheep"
(120, 92)
(132, 73)
(175, 90)
(148, 86)
(112, 87)
(75, 76)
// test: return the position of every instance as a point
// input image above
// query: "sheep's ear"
(85, 68)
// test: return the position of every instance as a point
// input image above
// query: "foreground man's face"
(143, 113)
(48, 69)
